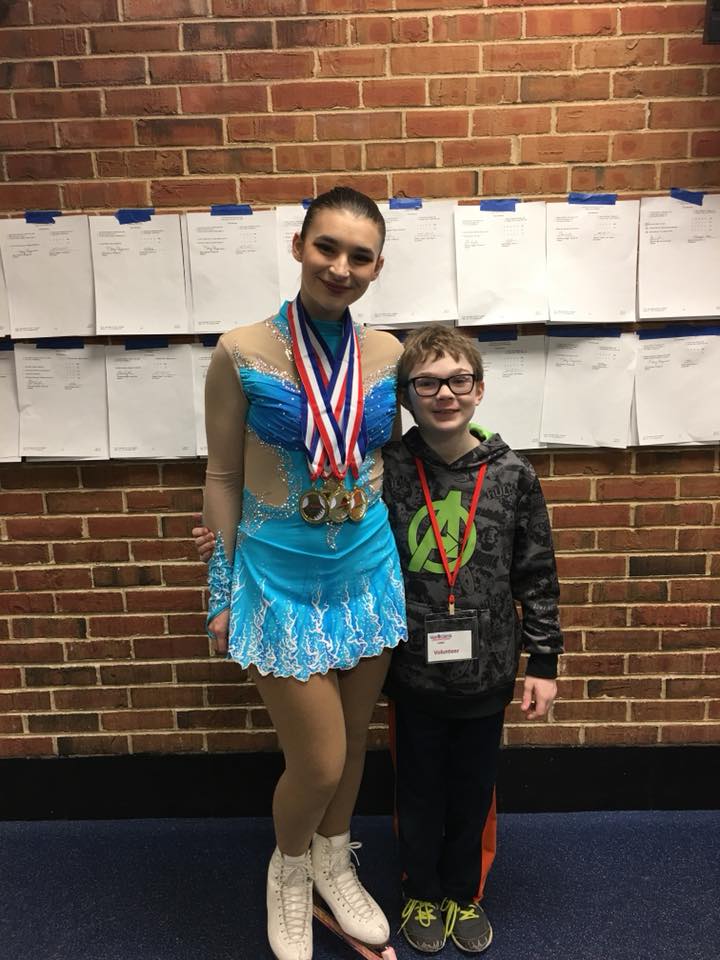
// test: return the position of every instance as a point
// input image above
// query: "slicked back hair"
(345, 198)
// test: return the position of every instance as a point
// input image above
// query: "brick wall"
(108, 103)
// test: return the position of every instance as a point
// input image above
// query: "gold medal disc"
(339, 504)
(314, 507)
(357, 504)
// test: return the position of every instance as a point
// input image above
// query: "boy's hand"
(204, 540)
(218, 627)
(538, 695)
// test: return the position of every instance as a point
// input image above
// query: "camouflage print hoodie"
(509, 557)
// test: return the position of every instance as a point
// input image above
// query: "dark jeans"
(445, 777)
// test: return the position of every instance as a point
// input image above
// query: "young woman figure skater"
(305, 585)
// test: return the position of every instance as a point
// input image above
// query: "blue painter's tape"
(306, 201)
(146, 343)
(6, 344)
(501, 206)
(231, 210)
(209, 339)
(42, 216)
(139, 215)
(679, 330)
(405, 203)
(60, 343)
(602, 199)
(492, 336)
(584, 330)
(689, 196)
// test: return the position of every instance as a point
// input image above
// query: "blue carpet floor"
(581, 886)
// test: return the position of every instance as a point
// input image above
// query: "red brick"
(633, 540)
(273, 129)
(658, 83)
(15, 603)
(227, 35)
(270, 65)
(110, 527)
(27, 653)
(624, 591)
(275, 189)
(29, 197)
(622, 641)
(315, 95)
(700, 486)
(698, 175)
(90, 745)
(94, 601)
(30, 73)
(160, 600)
(637, 488)
(60, 676)
(367, 62)
(691, 50)
(661, 18)
(26, 44)
(477, 26)
(386, 30)
(394, 93)
(525, 57)
(541, 89)
(94, 650)
(125, 626)
(649, 146)
(320, 157)
(192, 192)
(673, 514)
(54, 578)
(250, 160)
(210, 671)
(675, 616)
(681, 114)
(592, 616)
(16, 14)
(591, 515)
(138, 720)
(44, 528)
(23, 553)
(672, 565)
(564, 149)
(101, 71)
(233, 694)
(690, 733)
(233, 98)
(676, 461)
(74, 11)
(310, 33)
(696, 688)
(456, 58)
(701, 639)
(705, 144)
(24, 700)
(359, 126)
(170, 9)
(525, 181)
(90, 552)
(592, 665)
(618, 53)
(476, 152)
(598, 463)
(603, 117)
(97, 133)
(681, 591)
(542, 735)
(656, 711)
(186, 68)
(713, 82)
(438, 123)
(171, 648)
(26, 747)
(630, 688)
(390, 156)
(624, 734)
(126, 575)
(666, 664)
(374, 185)
(17, 503)
(589, 711)
(64, 723)
(699, 539)
(154, 697)
(194, 131)
(58, 103)
(167, 743)
(23, 136)
(152, 501)
(614, 179)
(92, 699)
(124, 674)
(570, 23)
(183, 474)
(97, 475)
(436, 184)
(141, 101)
(144, 550)
(511, 121)
(134, 39)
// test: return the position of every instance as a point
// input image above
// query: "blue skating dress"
(303, 599)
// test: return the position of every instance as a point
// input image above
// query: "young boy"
(473, 534)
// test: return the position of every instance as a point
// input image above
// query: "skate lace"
(455, 911)
(424, 911)
(342, 870)
(296, 900)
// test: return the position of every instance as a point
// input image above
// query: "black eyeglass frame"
(443, 382)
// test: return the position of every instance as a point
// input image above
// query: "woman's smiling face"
(340, 257)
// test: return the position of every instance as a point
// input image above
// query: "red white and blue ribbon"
(332, 401)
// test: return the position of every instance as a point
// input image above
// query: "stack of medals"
(332, 419)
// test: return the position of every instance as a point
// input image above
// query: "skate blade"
(368, 953)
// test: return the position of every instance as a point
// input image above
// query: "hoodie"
(509, 559)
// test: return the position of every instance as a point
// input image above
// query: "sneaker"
(289, 906)
(337, 883)
(423, 926)
(467, 925)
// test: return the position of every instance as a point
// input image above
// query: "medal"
(358, 504)
(314, 506)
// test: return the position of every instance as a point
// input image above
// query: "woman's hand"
(538, 695)
(218, 630)
(204, 540)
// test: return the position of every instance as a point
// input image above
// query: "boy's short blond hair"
(433, 342)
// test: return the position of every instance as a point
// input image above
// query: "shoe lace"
(343, 872)
(423, 910)
(296, 899)
(454, 911)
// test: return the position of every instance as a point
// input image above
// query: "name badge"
(451, 638)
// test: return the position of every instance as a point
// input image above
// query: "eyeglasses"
(460, 384)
